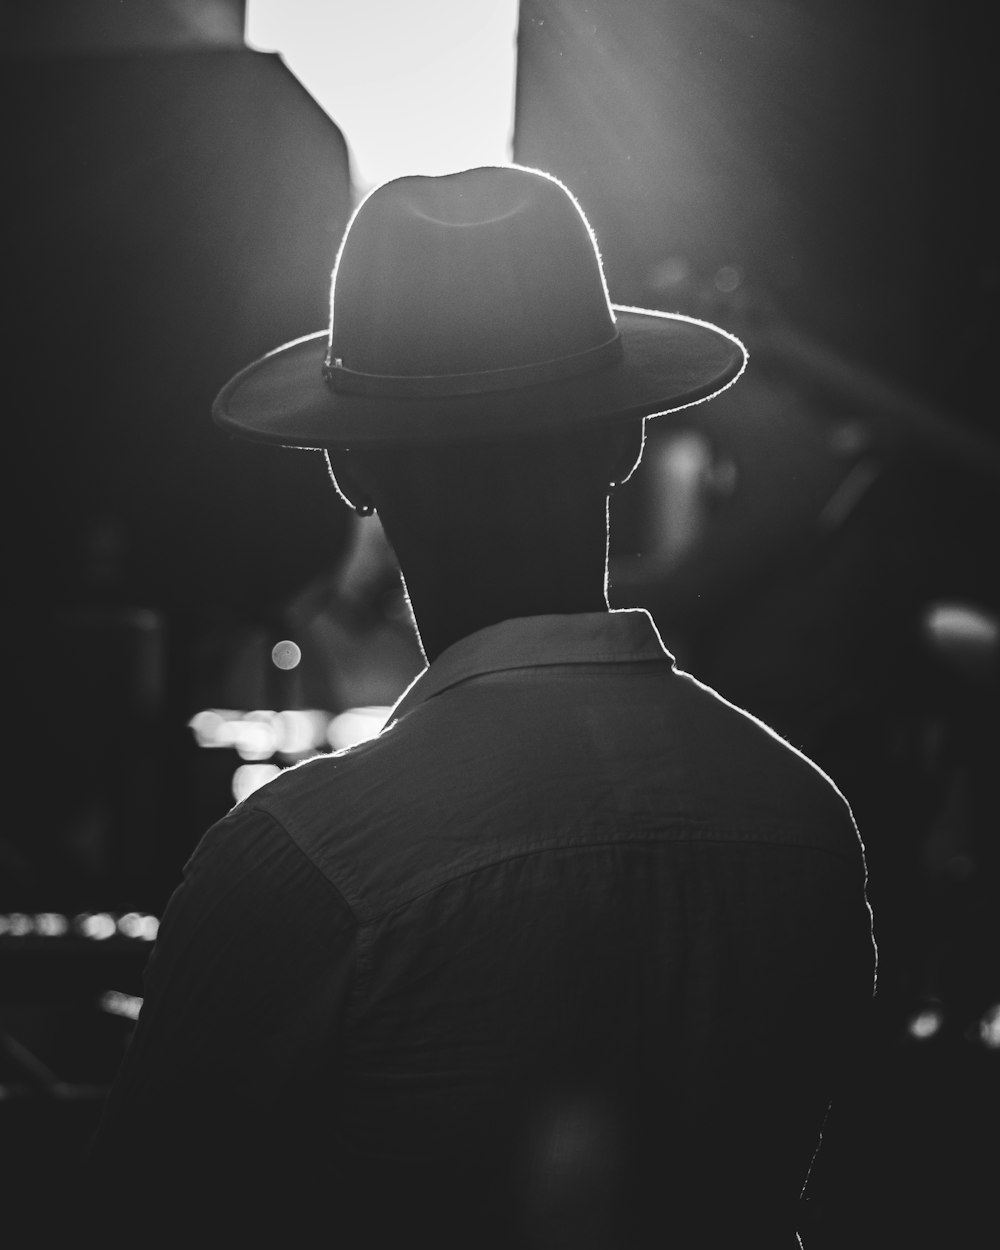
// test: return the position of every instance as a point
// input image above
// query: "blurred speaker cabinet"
(170, 215)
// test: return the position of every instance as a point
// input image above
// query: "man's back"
(574, 945)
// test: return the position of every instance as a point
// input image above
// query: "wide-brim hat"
(472, 307)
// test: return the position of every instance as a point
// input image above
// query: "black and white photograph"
(503, 622)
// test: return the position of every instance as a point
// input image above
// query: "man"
(574, 952)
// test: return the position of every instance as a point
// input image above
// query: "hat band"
(441, 385)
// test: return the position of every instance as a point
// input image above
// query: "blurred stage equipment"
(170, 199)
(173, 208)
(829, 156)
(793, 538)
(732, 170)
(819, 543)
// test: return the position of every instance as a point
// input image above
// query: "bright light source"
(97, 925)
(206, 726)
(256, 736)
(301, 731)
(261, 734)
(286, 654)
(116, 1003)
(359, 724)
(989, 1028)
(961, 621)
(136, 925)
(415, 88)
(150, 928)
(250, 777)
(965, 635)
(925, 1023)
(51, 924)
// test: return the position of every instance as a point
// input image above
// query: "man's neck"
(444, 618)
(477, 567)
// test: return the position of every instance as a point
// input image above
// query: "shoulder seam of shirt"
(349, 907)
(698, 839)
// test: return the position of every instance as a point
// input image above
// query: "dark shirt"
(574, 953)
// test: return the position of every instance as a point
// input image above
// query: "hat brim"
(669, 362)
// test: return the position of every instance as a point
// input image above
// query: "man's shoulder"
(764, 771)
(348, 811)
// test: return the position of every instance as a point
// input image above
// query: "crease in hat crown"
(488, 279)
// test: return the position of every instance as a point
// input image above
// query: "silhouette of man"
(575, 952)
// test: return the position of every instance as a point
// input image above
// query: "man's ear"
(345, 481)
(630, 439)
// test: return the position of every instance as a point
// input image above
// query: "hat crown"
(486, 270)
(471, 307)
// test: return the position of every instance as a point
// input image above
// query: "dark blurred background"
(189, 613)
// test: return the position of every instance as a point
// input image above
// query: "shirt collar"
(622, 636)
